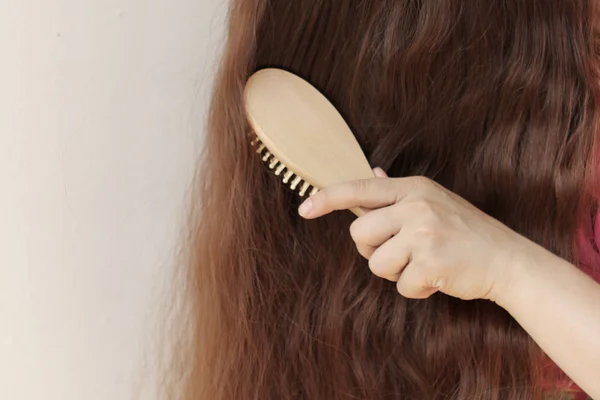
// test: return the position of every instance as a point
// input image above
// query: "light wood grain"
(303, 130)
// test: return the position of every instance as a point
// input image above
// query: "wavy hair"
(495, 100)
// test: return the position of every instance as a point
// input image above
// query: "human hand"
(426, 238)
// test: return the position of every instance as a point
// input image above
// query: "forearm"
(559, 306)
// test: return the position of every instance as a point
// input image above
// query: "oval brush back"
(300, 127)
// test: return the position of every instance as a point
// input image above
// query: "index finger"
(366, 193)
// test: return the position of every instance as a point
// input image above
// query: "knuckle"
(423, 207)
(421, 182)
(419, 280)
(356, 230)
(359, 186)
(374, 265)
(436, 282)
(365, 251)
(402, 289)
(377, 267)
(407, 285)
(428, 230)
(429, 238)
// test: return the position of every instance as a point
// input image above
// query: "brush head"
(301, 132)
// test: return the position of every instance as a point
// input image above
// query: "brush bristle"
(296, 182)
(278, 167)
(287, 176)
(304, 188)
(273, 163)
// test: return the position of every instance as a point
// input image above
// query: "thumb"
(379, 173)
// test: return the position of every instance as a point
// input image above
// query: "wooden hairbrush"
(300, 134)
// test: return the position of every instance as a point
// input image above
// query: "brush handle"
(359, 211)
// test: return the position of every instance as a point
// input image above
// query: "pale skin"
(428, 239)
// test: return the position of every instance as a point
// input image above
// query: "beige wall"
(101, 108)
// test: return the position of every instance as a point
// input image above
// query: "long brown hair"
(495, 100)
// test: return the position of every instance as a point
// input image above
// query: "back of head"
(495, 100)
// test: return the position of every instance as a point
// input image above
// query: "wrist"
(516, 273)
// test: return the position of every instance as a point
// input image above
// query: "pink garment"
(591, 265)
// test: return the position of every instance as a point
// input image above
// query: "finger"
(390, 259)
(365, 250)
(367, 193)
(375, 227)
(412, 283)
(379, 173)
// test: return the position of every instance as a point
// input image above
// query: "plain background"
(102, 106)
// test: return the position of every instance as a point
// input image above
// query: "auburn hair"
(495, 100)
